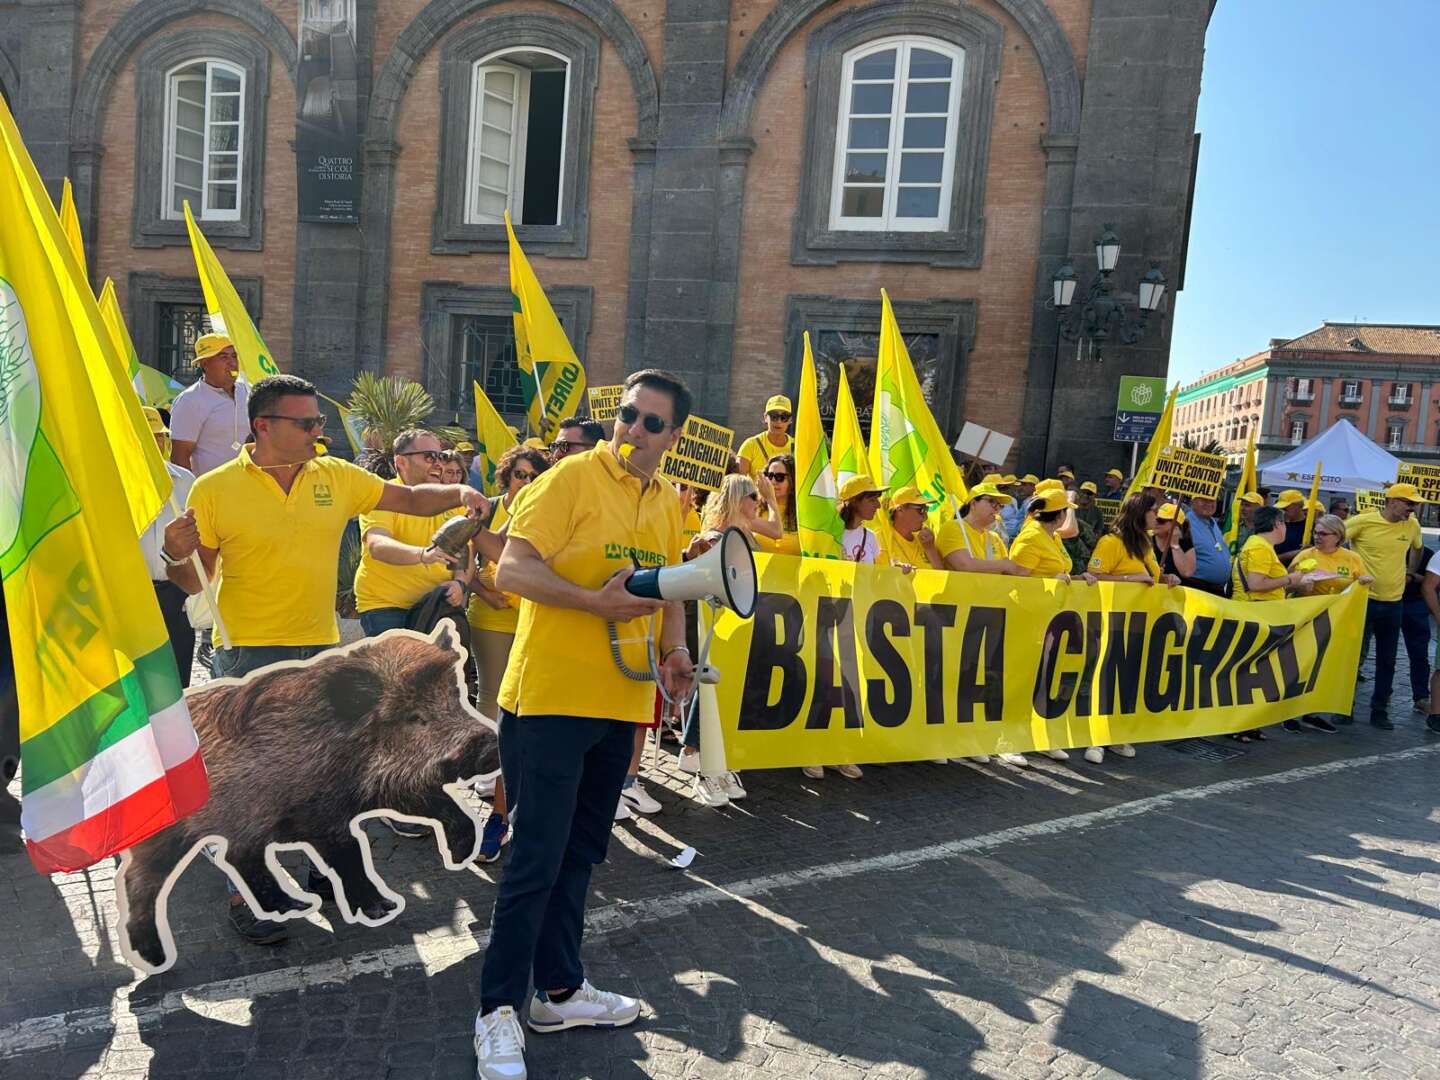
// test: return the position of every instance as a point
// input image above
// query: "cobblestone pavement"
(1183, 914)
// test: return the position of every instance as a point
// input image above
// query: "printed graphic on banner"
(1424, 477)
(327, 129)
(1189, 472)
(1138, 407)
(700, 457)
(1366, 500)
(300, 755)
(604, 402)
(1108, 509)
(851, 663)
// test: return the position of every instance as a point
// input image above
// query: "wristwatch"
(170, 560)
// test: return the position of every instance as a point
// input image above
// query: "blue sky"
(1318, 194)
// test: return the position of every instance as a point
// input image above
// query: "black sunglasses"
(305, 423)
(777, 477)
(523, 477)
(431, 456)
(654, 424)
(778, 415)
(569, 446)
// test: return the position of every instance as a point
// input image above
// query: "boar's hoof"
(145, 942)
(378, 908)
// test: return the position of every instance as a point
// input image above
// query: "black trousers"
(177, 625)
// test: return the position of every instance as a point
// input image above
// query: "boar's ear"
(352, 688)
(444, 636)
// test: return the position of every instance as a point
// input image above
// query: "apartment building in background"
(1383, 377)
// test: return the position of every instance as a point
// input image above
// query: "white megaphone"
(725, 574)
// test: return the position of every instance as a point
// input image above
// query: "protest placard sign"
(1424, 477)
(1108, 509)
(604, 401)
(1366, 500)
(1189, 472)
(701, 456)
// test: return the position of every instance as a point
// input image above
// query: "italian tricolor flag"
(107, 753)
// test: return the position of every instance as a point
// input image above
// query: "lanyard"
(969, 547)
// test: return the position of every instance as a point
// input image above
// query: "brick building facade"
(1383, 378)
(676, 171)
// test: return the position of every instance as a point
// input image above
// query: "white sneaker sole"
(580, 1021)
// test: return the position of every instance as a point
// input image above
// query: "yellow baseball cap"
(1048, 485)
(858, 485)
(1289, 497)
(535, 442)
(1066, 474)
(993, 478)
(152, 416)
(991, 491)
(1010, 478)
(1408, 492)
(1116, 473)
(465, 446)
(908, 496)
(1254, 498)
(1089, 485)
(778, 403)
(208, 345)
(1029, 478)
(1050, 499)
(1171, 512)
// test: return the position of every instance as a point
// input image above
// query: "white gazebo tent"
(1350, 461)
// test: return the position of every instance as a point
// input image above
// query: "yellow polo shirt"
(900, 550)
(586, 517)
(788, 544)
(957, 533)
(1257, 557)
(1346, 565)
(279, 552)
(1385, 546)
(1040, 552)
(481, 615)
(1110, 557)
(758, 449)
(385, 585)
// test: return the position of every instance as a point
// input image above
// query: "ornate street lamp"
(1101, 313)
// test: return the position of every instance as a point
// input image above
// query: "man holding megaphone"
(569, 703)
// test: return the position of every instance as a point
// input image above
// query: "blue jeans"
(1383, 619)
(380, 619)
(563, 776)
(1415, 628)
(237, 662)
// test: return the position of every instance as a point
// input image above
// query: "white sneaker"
(587, 1007)
(1013, 759)
(1124, 749)
(484, 786)
(499, 1045)
(1095, 755)
(733, 788)
(850, 772)
(978, 759)
(814, 772)
(689, 761)
(640, 800)
(1057, 755)
(710, 791)
(623, 811)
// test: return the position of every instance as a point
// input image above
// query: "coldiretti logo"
(627, 551)
(323, 497)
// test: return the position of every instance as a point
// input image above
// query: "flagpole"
(206, 586)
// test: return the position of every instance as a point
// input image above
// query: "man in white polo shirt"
(208, 420)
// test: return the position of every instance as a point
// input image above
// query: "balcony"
(1348, 402)
(1300, 397)
(1399, 402)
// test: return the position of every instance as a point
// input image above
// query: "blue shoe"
(497, 831)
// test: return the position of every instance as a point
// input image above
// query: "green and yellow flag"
(554, 377)
(153, 387)
(354, 434)
(816, 516)
(1158, 441)
(1247, 484)
(906, 447)
(108, 754)
(492, 438)
(227, 311)
(70, 224)
(848, 455)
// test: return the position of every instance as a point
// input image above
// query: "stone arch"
(1057, 62)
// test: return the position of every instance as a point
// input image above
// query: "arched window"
(204, 140)
(896, 136)
(516, 154)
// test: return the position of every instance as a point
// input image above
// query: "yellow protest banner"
(1424, 477)
(604, 402)
(1366, 500)
(1108, 509)
(851, 663)
(700, 457)
(1188, 472)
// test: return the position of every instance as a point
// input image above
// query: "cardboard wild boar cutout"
(300, 755)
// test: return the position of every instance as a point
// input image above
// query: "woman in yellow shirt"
(910, 544)
(780, 471)
(1259, 575)
(1037, 547)
(737, 505)
(1327, 567)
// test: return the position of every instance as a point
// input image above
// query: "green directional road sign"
(1138, 408)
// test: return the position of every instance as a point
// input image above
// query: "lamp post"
(1100, 314)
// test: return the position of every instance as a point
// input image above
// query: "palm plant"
(1211, 446)
(386, 405)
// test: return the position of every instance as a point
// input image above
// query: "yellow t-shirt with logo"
(587, 517)
(385, 585)
(788, 544)
(1385, 548)
(1346, 565)
(758, 449)
(899, 550)
(279, 551)
(1257, 557)
(1040, 552)
(958, 534)
(480, 614)
(1110, 557)
(689, 527)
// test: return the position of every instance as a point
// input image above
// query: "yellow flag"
(70, 223)
(906, 447)
(1312, 503)
(492, 438)
(817, 518)
(1246, 485)
(227, 312)
(848, 456)
(554, 377)
(1158, 440)
(352, 427)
